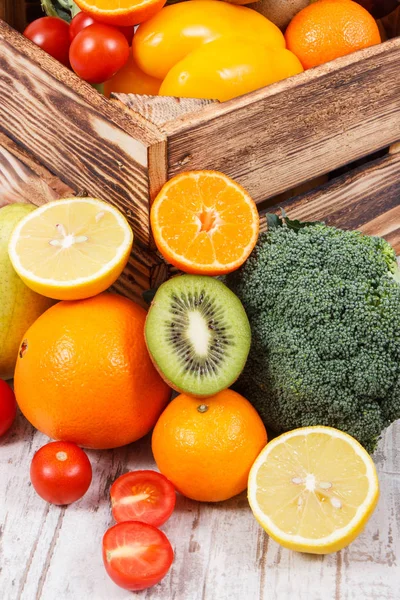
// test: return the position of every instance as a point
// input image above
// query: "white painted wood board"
(53, 553)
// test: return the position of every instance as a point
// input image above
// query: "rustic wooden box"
(59, 137)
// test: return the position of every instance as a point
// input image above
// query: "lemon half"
(72, 248)
(313, 489)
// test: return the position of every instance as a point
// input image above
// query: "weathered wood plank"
(112, 110)
(91, 144)
(22, 179)
(14, 13)
(20, 183)
(157, 111)
(367, 198)
(280, 136)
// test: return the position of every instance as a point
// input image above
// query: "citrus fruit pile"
(312, 489)
(198, 336)
(83, 374)
(202, 48)
(96, 371)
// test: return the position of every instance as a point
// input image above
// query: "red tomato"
(145, 496)
(82, 20)
(136, 555)
(128, 32)
(8, 407)
(52, 35)
(98, 52)
(61, 472)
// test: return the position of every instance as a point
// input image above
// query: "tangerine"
(84, 375)
(328, 29)
(206, 447)
(204, 223)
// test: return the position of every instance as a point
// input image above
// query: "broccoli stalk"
(324, 308)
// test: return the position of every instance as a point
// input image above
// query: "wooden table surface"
(221, 553)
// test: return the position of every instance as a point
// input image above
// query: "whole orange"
(84, 375)
(207, 447)
(328, 29)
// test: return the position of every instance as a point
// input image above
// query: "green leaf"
(273, 221)
(295, 224)
(64, 9)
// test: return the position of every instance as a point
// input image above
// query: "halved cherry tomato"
(136, 555)
(98, 52)
(61, 472)
(145, 496)
(52, 35)
(82, 20)
(8, 407)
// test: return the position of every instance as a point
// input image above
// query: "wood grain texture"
(111, 110)
(22, 179)
(221, 553)
(81, 143)
(14, 12)
(280, 136)
(368, 199)
(158, 111)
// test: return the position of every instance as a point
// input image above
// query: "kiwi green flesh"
(198, 334)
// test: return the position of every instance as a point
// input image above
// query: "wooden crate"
(65, 138)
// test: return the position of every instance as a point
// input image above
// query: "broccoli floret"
(324, 308)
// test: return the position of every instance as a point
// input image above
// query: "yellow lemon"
(72, 248)
(313, 489)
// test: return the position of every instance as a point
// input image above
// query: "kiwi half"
(198, 334)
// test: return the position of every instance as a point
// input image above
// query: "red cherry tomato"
(98, 52)
(82, 20)
(145, 496)
(128, 32)
(136, 555)
(79, 22)
(8, 407)
(52, 35)
(61, 472)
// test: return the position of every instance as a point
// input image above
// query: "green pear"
(19, 305)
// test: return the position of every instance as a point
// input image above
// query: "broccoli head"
(324, 308)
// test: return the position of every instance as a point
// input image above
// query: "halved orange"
(121, 12)
(204, 223)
